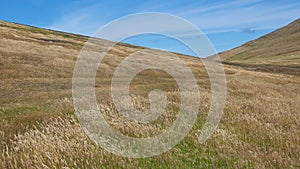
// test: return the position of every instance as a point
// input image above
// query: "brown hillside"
(38, 128)
(278, 51)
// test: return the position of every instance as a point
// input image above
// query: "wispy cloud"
(209, 16)
(212, 17)
(240, 15)
(83, 20)
(200, 9)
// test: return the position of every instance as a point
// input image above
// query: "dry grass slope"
(278, 51)
(260, 127)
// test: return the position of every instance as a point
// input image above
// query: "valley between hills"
(260, 127)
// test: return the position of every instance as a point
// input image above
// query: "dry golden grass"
(59, 143)
(260, 127)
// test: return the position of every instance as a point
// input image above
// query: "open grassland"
(260, 127)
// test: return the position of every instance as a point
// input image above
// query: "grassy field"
(260, 127)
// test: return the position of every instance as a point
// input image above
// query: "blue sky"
(226, 23)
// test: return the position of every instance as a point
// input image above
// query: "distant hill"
(277, 51)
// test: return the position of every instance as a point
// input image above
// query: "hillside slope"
(278, 51)
(38, 129)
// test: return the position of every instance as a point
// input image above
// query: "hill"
(38, 129)
(278, 51)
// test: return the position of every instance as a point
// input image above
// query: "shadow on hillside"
(281, 69)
